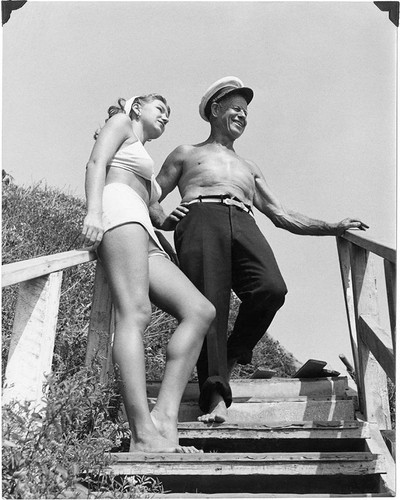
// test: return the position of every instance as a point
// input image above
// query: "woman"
(120, 186)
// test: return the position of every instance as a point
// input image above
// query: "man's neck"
(217, 137)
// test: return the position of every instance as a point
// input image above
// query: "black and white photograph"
(199, 248)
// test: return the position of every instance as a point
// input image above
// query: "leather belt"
(223, 199)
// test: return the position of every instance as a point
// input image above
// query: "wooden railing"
(34, 329)
(372, 345)
(33, 335)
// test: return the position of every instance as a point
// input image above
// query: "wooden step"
(278, 437)
(278, 430)
(274, 437)
(283, 430)
(195, 464)
(275, 387)
(266, 411)
(204, 473)
(252, 459)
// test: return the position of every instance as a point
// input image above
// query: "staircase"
(296, 437)
(283, 437)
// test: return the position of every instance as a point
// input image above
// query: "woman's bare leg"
(172, 292)
(124, 254)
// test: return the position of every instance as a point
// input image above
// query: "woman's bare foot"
(218, 411)
(167, 427)
(158, 444)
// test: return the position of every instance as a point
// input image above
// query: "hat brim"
(246, 92)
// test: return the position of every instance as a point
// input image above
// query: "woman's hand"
(92, 231)
(174, 217)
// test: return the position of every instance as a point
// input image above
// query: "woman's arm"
(112, 135)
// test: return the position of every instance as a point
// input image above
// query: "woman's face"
(155, 117)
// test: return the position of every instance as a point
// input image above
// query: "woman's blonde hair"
(114, 110)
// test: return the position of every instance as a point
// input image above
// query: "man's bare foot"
(218, 411)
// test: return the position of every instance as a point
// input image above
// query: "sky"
(321, 126)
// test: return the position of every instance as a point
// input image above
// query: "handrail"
(24, 270)
(379, 249)
(32, 341)
(373, 347)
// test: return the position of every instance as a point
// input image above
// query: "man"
(218, 243)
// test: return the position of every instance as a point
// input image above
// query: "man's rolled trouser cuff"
(211, 385)
(242, 355)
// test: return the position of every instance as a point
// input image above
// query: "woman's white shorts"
(122, 205)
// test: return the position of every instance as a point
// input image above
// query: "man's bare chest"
(218, 166)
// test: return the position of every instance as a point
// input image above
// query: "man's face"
(232, 114)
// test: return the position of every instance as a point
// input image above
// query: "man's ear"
(214, 109)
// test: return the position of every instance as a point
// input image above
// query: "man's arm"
(168, 179)
(171, 170)
(161, 220)
(268, 204)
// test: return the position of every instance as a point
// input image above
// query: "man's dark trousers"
(220, 248)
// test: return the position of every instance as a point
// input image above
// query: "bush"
(38, 221)
(64, 450)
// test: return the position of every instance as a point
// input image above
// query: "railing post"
(32, 341)
(372, 378)
(99, 343)
(390, 277)
(347, 283)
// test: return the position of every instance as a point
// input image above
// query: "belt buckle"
(229, 201)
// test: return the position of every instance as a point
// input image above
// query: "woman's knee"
(201, 312)
(136, 313)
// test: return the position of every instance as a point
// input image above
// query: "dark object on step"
(263, 372)
(329, 373)
(314, 368)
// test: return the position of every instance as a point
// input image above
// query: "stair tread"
(247, 464)
(271, 411)
(245, 457)
(303, 424)
(270, 400)
(274, 430)
(276, 399)
(273, 387)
